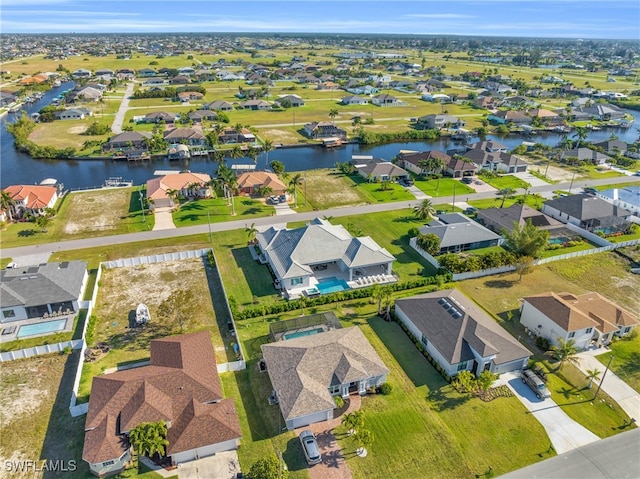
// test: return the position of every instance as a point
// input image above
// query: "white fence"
(158, 258)
(233, 366)
(39, 350)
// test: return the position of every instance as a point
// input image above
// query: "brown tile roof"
(559, 310)
(182, 372)
(36, 196)
(157, 187)
(607, 314)
(261, 178)
(302, 369)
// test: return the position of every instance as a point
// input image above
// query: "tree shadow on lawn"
(445, 398)
(27, 233)
(258, 278)
(409, 219)
(499, 283)
(64, 438)
(252, 211)
(135, 204)
(293, 455)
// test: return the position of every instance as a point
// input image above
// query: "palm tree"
(267, 146)
(564, 352)
(364, 438)
(217, 155)
(333, 113)
(174, 195)
(592, 375)
(6, 202)
(294, 182)
(581, 134)
(277, 167)
(253, 154)
(353, 421)
(251, 233)
(236, 152)
(425, 210)
(149, 438)
(504, 192)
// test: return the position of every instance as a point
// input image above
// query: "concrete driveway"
(283, 209)
(627, 397)
(529, 178)
(417, 192)
(164, 220)
(223, 465)
(565, 434)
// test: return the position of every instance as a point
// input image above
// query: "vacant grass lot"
(378, 192)
(505, 181)
(121, 289)
(83, 215)
(626, 360)
(67, 133)
(332, 189)
(442, 187)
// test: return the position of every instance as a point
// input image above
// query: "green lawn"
(585, 245)
(626, 360)
(425, 429)
(622, 238)
(443, 187)
(218, 210)
(533, 201)
(380, 192)
(505, 181)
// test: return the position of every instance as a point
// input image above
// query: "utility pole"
(571, 184)
(453, 205)
(602, 380)
(144, 220)
(209, 222)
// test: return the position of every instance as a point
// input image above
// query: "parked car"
(310, 447)
(406, 182)
(467, 180)
(470, 210)
(282, 198)
(538, 386)
(274, 200)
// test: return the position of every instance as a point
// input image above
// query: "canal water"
(18, 168)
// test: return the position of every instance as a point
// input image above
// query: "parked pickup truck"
(535, 383)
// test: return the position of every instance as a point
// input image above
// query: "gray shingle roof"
(453, 336)
(456, 229)
(292, 252)
(586, 207)
(302, 370)
(47, 283)
(518, 214)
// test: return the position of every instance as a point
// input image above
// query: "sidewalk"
(116, 127)
(627, 397)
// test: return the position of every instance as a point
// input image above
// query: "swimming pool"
(301, 334)
(331, 285)
(42, 328)
(559, 240)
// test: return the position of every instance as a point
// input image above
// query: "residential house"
(498, 161)
(300, 257)
(491, 146)
(180, 80)
(155, 82)
(518, 101)
(186, 136)
(323, 129)
(509, 117)
(436, 97)
(159, 116)
(587, 154)
(413, 160)
(499, 219)
(84, 94)
(255, 105)
(307, 372)
(377, 169)
(604, 111)
(458, 166)
(188, 71)
(32, 295)
(218, 105)
(354, 100)
(105, 73)
(440, 121)
(387, 100)
(458, 232)
(198, 115)
(81, 73)
(181, 387)
(7, 99)
(73, 114)
(31, 199)
(250, 182)
(294, 101)
(613, 147)
(459, 335)
(188, 185)
(132, 144)
(328, 86)
(484, 102)
(547, 117)
(231, 135)
(589, 319)
(146, 72)
(627, 198)
(588, 212)
(190, 95)
(362, 89)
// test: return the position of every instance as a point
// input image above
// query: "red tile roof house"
(181, 387)
(588, 319)
(190, 185)
(249, 182)
(32, 199)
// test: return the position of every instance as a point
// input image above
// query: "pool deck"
(16, 325)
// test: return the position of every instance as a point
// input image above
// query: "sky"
(510, 18)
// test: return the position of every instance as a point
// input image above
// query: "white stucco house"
(458, 335)
(589, 319)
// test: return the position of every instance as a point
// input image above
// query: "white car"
(310, 447)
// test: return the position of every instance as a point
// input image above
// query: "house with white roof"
(303, 258)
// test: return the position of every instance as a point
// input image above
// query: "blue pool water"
(42, 328)
(300, 334)
(331, 285)
(559, 240)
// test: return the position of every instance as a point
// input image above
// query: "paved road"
(627, 397)
(116, 126)
(564, 433)
(615, 457)
(271, 220)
